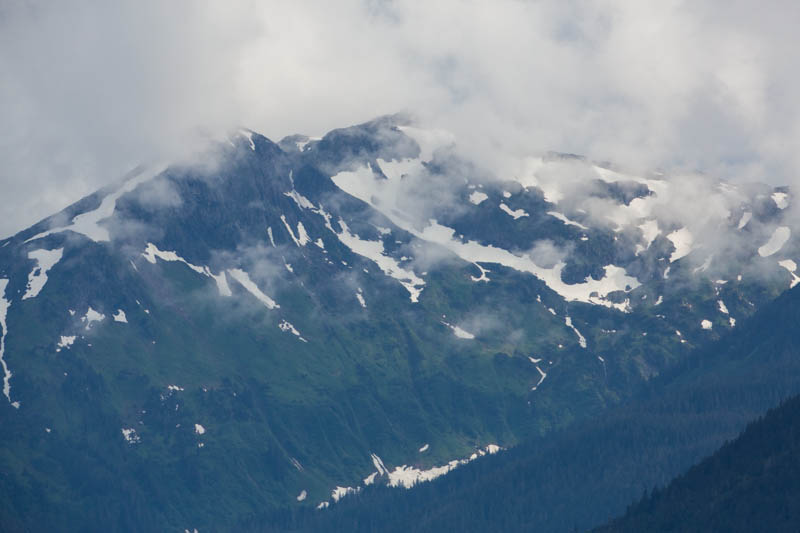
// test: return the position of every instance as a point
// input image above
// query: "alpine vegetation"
(302, 320)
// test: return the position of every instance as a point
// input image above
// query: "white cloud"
(90, 89)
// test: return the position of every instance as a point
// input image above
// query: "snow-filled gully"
(5, 304)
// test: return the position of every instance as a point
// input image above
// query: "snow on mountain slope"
(88, 223)
(4, 305)
(152, 252)
(779, 237)
(363, 184)
(244, 280)
(45, 260)
(374, 251)
(321, 299)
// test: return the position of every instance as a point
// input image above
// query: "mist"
(89, 90)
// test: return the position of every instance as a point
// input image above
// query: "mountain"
(751, 482)
(277, 325)
(575, 479)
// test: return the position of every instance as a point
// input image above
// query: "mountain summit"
(281, 324)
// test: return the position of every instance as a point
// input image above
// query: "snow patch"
(131, 436)
(650, 231)
(45, 260)
(590, 291)
(340, 492)
(5, 304)
(483, 276)
(299, 199)
(303, 237)
(458, 332)
(152, 252)
(243, 278)
(746, 216)
(91, 317)
(775, 242)
(791, 266)
(360, 298)
(476, 197)
(383, 194)
(682, 240)
(289, 229)
(565, 220)
(247, 134)
(407, 476)
(373, 250)
(781, 199)
(65, 342)
(286, 326)
(222, 284)
(89, 223)
(515, 214)
(378, 463)
(581, 338)
(542, 375)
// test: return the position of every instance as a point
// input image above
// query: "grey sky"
(89, 89)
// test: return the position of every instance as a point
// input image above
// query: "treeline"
(750, 484)
(584, 476)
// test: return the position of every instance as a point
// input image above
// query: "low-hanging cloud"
(90, 89)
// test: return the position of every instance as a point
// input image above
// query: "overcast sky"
(89, 89)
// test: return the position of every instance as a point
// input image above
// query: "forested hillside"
(584, 476)
(752, 483)
(195, 347)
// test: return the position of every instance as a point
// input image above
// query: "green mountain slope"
(750, 484)
(589, 473)
(280, 324)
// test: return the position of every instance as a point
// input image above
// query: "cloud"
(547, 254)
(159, 193)
(89, 90)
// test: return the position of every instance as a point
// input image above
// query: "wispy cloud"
(89, 90)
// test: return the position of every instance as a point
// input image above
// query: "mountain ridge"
(749, 480)
(278, 300)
